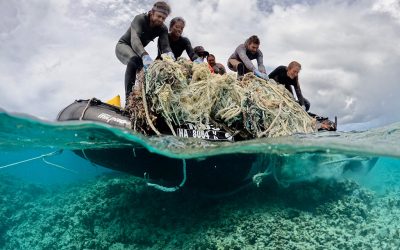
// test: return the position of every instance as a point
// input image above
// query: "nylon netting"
(180, 92)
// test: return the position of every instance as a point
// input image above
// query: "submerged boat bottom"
(215, 174)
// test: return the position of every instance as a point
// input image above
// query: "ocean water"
(328, 190)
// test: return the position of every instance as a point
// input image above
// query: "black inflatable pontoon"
(213, 175)
(216, 174)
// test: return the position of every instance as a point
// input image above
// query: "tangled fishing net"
(173, 93)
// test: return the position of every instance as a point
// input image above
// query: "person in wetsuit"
(201, 52)
(144, 28)
(240, 60)
(289, 76)
(217, 68)
(177, 42)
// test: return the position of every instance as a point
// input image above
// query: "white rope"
(146, 109)
(84, 110)
(271, 170)
(43, 158)
(346, 160)
(258, 178)
(284, 184)
(58, 166)
(171, 189)
(134, 152)
(31, 159)
(84, 154)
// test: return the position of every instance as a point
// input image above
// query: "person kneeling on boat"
(216, 68)
(240, 60)
(177, 42)
(289, 76)
(203, 54)
(144, 28)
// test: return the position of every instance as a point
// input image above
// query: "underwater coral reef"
(117, 211)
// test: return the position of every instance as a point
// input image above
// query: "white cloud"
(53, 52)
(391, 7)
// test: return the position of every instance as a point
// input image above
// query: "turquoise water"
(330, 189)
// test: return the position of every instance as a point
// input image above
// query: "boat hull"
(214, 174)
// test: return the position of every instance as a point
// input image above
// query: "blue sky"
(53, 52)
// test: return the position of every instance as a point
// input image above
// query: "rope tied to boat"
(171, 189)
(86, 108)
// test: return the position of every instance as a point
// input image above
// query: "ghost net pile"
(177, 93)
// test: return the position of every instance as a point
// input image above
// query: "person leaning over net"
(201, 53)
(240, 60)
(289, 76)
(177, 42)
(144, 28)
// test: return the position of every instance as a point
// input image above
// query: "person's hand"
(198, 60)
(146, 61)
(171, 55)
(261, 75)
(304, 107)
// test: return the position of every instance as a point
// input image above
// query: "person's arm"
(158, 49)
(241, 51)
(260, 62)
(189, 50)
(299, 95)
(289, 88)
(274, 74)
(137, 28)
(163, 41)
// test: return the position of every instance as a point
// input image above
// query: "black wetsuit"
(280, 76)
(219, 69)
(178, 47)
(130, 47)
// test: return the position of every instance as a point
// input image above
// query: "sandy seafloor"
(120, 212)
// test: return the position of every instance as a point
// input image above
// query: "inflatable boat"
(215, 174)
